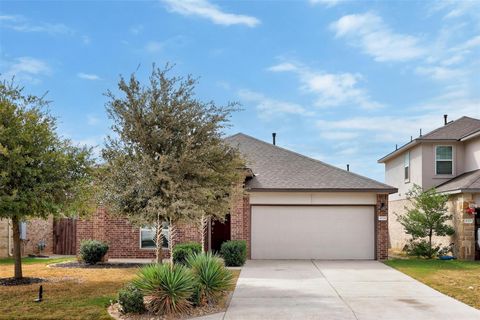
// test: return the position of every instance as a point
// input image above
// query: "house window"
(406, 167)
(148, 237)
(444, 160)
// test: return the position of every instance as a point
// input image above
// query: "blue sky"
(340, 81)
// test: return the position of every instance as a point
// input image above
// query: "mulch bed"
(101, 265)
(20, 282)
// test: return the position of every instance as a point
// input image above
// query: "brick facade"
(464, 237)
(381, 227)
(123, 238)
(5, 236)
(39, 230)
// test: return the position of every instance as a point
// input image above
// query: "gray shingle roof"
(454, 130)
(278, 169)
(468, 181)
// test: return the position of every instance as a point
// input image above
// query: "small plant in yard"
(167, 288)
(427, 217)
(130, 299)
(234, 252)
(183, 250)
(211, 276)
(93, 251)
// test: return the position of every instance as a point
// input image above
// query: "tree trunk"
(17, 251)
(159, 243)
(430, 234)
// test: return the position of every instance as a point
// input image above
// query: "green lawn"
(9, 261)
(458, 279)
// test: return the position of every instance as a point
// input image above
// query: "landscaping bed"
(457, 279)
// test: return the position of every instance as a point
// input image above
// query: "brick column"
(381, 227)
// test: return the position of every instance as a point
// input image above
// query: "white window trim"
(140, 239)
(407, 180)
(453, 160)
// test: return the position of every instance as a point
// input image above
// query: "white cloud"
(154, 46)
(330, 89)
(92, 120)
(207, 10)
(22, 24)
(326, 3)
(88, 76)
(457, 9)
(136, 29)
(439, 73)
(338, 135)
(369, 32)
(27, 69)
(268, 107)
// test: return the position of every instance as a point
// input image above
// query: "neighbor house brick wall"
(123, 238)
(381, 227)
(5, 231)
(39, 230)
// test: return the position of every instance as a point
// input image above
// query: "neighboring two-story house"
(447, 158)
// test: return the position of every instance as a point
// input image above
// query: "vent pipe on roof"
(420, 132)
(348, 167)
(396, 147)
(274, 135)
(445, 118)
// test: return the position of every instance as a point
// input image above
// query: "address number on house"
(382, 218)
(468, 221)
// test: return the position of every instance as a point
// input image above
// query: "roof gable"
(276, 168)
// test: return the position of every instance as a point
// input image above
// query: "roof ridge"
(311, 159)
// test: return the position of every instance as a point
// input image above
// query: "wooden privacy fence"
(64, 236)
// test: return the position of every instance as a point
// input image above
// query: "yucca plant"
(168, 288)
(211, 277)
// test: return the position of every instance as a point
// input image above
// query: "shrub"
(93, 251)
(234, 252)
(167, 287)
(421, 248)
(130, 299)
(183, 250)
(212, 279)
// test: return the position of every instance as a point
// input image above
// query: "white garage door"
(313, 232)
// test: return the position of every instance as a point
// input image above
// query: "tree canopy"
(166, 159)
(41, 174)
(427, 217)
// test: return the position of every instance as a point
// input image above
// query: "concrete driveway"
(304, 289)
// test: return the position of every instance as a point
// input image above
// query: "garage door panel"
(313, 232)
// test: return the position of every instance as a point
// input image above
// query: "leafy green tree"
(40, 173)
(167, 161)
(427, 217)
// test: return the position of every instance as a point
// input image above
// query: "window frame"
(407, 155)
(452, 160)
(164, 230)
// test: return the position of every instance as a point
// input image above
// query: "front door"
(220, 233)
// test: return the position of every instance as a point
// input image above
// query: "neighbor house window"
(444, 160)
(406, 167)
(148, 237)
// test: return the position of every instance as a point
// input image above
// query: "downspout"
(9, 238)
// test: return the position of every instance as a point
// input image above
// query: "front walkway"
(328, 290)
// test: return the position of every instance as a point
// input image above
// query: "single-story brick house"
(291, 207)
